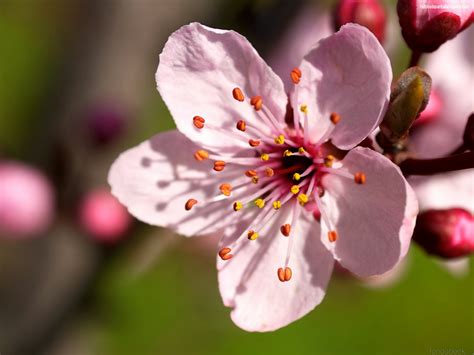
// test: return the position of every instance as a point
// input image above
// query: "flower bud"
(427, 24)
(103, 217)
(468, 136)
(445, 233)
(26, 201)
(368, 13)
(105, 123)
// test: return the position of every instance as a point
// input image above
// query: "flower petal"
(156, 178)
(374, 221)
(199, 67)
(348, 73)
(249, 284)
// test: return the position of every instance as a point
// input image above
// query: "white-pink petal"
(348, 73)
(156, 178)
(249, 284)
(199, 67)
(374, 221)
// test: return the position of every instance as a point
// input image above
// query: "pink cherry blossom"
(257, 165)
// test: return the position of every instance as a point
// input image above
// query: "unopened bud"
(368, 13)
(427, 24)
(445, 233)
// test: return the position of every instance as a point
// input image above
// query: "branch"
(439, 165)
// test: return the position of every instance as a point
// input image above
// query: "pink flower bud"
(368, 13)
(103, 217)
(427, 24)
(26, 201)
(445, 233)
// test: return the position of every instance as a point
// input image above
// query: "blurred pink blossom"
(103, 217)
(270, 165)
(26, 201)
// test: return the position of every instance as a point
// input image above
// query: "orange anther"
(201, 155)
(332, 236)
(189, 204)
(224, 253)
(285, 229)
(335, 118)
(281, 274)
(226, 189)
(254, 142)
(241, 125)
(360, 178)
(198, 122)
(238, 94)
(256, 102)
(295, 75)
(250, 173)
(269, 172)
(219, 165)
(288, 274)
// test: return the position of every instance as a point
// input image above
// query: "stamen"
(285, 229)
(280, 139)
(254, 142)
(237, 206)
(264, 157)
(226, 189)
(269, 172)
(241, 126)
(252, 235)
(255, 179)
(301, 150)
(277, 204)
(198, 122)
(296, 176)
(287, 153)
(251, 173)
(219, 165)
(260, 202)
(302, 199)
(295, 75)
(304, 109)
(256, 102)
(190, 203)
(238, 94)
(335, 118)
(295, 189)
(224, 253)
(329, 160)
(359, 178)
(201, 155)
(284, 274)
(332, 236)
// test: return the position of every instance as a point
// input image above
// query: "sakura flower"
(259, 167)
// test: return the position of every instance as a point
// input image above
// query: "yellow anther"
(277, 204)
(287, 153)
(280, 139)
(296, 176)
(264, 157)
(329, 160)
(295, 189)
(304, 108)
(260, 202)
(237, 206)
(255, 179)
(252, 235)
(302, 199)
(301, 150)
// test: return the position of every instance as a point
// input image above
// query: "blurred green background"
(156, 293)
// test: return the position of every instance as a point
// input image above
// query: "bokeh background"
(76, 88)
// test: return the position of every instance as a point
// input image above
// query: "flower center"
(281, 169)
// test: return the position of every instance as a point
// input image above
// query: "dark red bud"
(368, 13)
(105, 123)
(426, 25)
(445, 233)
